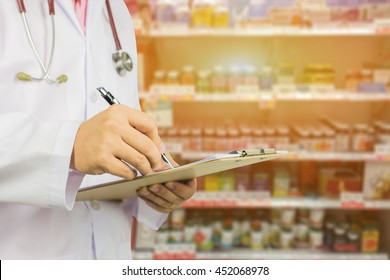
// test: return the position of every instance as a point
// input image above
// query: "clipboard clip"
(254, 152)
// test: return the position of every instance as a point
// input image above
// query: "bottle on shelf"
(203, 237)
(221, 14)
(202, 13)
(361, 140)
(218, 80)
(196, 140)
(159, 77)
(256, 233)
(203, 84)
(172, 78)
(234, 78)
(266, 78)
(227, 238)
(209, 138)
(187, 76)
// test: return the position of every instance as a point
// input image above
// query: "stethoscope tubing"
(113, 27)
(46, 71)
(22, 8)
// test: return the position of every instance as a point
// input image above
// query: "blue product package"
(372, 88)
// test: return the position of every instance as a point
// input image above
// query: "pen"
(165, 158)
(108, 96)
(112, 100)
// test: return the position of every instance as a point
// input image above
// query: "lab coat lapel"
(94, 8)
(68, 9)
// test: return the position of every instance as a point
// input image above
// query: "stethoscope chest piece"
(122, 62)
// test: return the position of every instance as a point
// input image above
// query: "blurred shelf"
(248, 199)
(289, 255)
(262, 31)
(242, 254)
(298, 156)
(271, 97)
(333, 96)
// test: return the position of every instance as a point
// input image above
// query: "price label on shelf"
(265, 200)
(175, 252)
(382, 26)
(352, 200)
(382, 152)
(261, 198)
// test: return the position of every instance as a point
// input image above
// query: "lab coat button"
(95, 205)
(93, 97)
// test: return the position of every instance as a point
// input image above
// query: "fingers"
(167, 197)
(158, 199)
(157, 207)
(140, 137)
(118, 168)
(146, 125)
(116, 134)
(140, 151)
(184, 191)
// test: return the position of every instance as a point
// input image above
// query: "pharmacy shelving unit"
(270, 255)
(266, 30)
(343, 47)
(302, 156)
(269, 96)
(263, 200)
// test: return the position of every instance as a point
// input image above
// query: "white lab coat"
(38, 123)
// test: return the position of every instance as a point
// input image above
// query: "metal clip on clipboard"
(254, 152)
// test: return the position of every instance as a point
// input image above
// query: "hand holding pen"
(120, 135)
(162, 197)
(112, 100)
(114, 137)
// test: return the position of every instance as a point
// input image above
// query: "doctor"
(58, 135)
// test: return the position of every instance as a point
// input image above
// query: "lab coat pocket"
(41, 99)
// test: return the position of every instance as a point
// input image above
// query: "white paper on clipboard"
(219, 162)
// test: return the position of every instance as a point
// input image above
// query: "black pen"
(112, 100)
(108, 96)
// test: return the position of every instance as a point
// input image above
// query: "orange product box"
(333, 181)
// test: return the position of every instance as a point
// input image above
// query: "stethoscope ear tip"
(62, 79)
(23, 76)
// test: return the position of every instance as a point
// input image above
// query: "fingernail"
(155, 188)
(170, 186)
(162, 147)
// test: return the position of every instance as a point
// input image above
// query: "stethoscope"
(121, 60)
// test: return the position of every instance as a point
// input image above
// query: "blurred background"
(308, 76)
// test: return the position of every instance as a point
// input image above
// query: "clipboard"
(219, 162)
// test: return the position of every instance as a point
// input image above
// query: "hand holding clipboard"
(219, 162)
